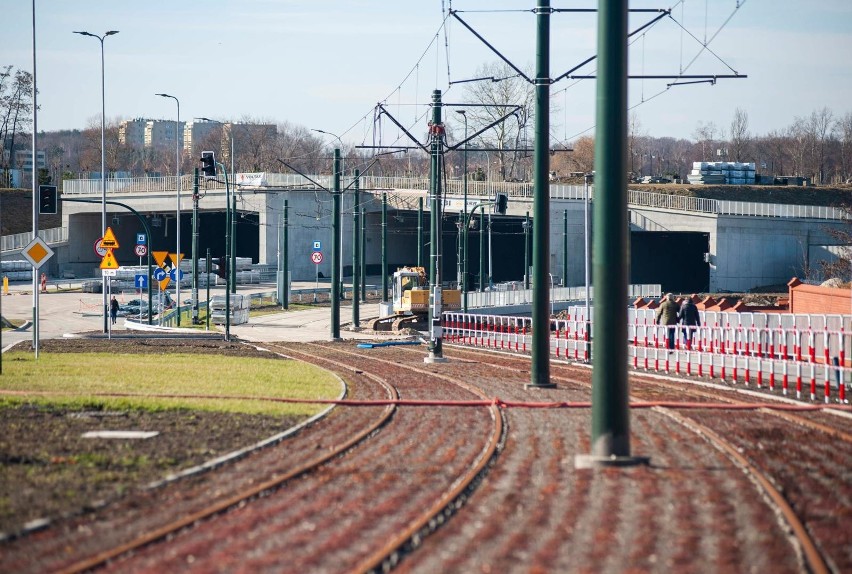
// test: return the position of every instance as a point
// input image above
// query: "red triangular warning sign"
(109, 241)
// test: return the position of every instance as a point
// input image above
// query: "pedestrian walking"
(667, 316)
(113, 309)
(44, 283)
(689, 317)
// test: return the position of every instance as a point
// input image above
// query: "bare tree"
(740, 139)
(705, 134)
(818, 129)
(498, 97)
(16, 108)
(843, 133)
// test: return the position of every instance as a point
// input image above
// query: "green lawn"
(79, 380)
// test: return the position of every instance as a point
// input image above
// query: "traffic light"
(222, 267)
(208, 164)
(47, 199)
(502, 203)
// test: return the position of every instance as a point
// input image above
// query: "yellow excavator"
(411, 300)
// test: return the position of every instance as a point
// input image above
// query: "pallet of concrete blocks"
(17, 270)
(240, 305)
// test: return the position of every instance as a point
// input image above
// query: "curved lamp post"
(342, 170)
(177, 172)
(103, 159)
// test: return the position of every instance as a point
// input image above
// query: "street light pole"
(103, 161)
(464, 218)
(177, 172)
(342, 170)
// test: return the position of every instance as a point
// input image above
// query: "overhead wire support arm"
(455, 15)
(287, 165)
(486, 128)
(403, 128)
(662, 15)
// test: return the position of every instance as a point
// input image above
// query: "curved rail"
(223, 505)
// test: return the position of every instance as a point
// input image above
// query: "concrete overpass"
(724, 245)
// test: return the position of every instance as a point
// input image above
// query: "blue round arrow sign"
(176, 271)
(159, 274)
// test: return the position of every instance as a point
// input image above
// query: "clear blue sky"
(325, 64)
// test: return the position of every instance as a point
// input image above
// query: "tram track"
(804, 509)
(358, 509)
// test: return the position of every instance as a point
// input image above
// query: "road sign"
(164, 283)
(316, 257)
(160, 257)
(176, 257)
(109, 272)
(174, 272)
(160, 274)
(140, 239)
(141, 281)
(37, 252)
(109, 241)
(317, 245)
(141, 250)
(100, 250)
(109, 261)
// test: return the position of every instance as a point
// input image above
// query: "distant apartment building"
(24, 159)
(161, 134)
(198, 133)
(132, 132)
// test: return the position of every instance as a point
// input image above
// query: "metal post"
(436, 133)
(527, 251)
(610, 437)
(207, 268)
(103, 147)
(227, 257)
(194, 248)
(490, 268)
(177, 216)
(565, 248)
(356, 264)
(384, 247)
(283, 264)
(481, 251)
(35, 189)
(336, 257)
(586, 259)
(362, 247)
(464, 218)
(233, 267)
(540, 366)
(420, 232)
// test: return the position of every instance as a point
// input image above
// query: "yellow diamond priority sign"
(37, 252)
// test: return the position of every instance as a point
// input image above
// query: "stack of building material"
(721, 172)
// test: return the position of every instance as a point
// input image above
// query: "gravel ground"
(691, 510)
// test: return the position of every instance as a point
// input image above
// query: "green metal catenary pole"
(285, 263)
(336, 256)
(356, 264)
(420, 232)
(208, 267)
(527, 251)
(362, 245)
(610, 411)
(195, 248)
(436, 133)
(384, 270)
(233, 267)
(565, 248)
(540, 366)
(482, 251)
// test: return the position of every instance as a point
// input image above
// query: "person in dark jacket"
(689, 317)
(113, 309)
(667, 315)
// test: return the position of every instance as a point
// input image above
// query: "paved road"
(64, 313)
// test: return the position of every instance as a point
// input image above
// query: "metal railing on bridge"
(18, 241)
(455, 187)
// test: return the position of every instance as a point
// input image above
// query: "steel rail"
(231, 502)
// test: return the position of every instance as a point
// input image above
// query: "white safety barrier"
(739, 350)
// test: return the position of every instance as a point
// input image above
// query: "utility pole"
(194, 248)
(565, 248)
(540, 367)
(283, 263)
(610, 440)
(384, 247)
(362, 247)
(356, 264)
(336, 256)
(420, 232)
(436, 134)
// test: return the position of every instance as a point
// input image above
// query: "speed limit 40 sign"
(316, 257)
